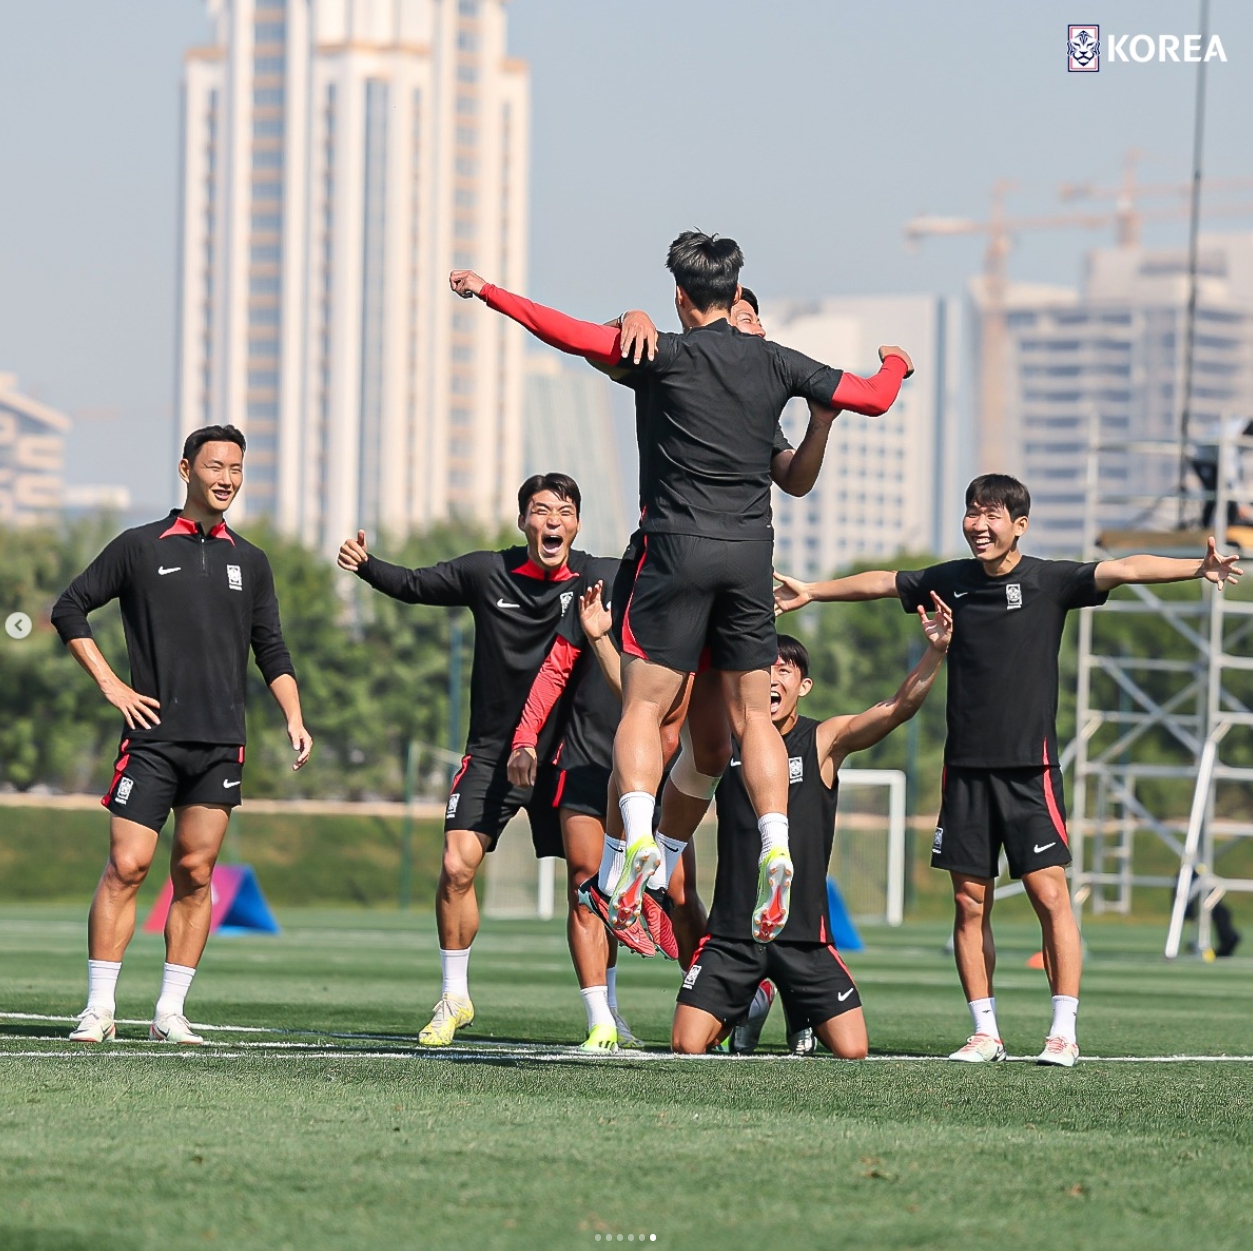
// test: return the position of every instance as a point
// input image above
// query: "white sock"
(637, 815)
(671, 853)
(773, 828)
(102, 983)
(175, 983)
(596, 1002)
(612, 859)
(611, 987)
(455, 967)
(1065, 1010)
(983, 1014)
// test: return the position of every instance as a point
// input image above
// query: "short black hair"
(707, 268)
(1000, 488)
(750, 299)
(212, 434)
(561, 485)
(795, 653)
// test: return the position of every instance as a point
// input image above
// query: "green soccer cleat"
(600, 1039)
(627, 897)
(774, 895)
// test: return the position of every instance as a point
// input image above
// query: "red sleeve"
(546, 690)
(872, 397)
(581, 338)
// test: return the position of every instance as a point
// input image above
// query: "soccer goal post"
(868, 860)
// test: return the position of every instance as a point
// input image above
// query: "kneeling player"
(728, 967)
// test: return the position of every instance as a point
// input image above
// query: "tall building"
(569, 429)
(889, 484)
(1107, 361)
(339, 158)
(32, 457)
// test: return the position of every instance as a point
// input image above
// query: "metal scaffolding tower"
(1163, 711)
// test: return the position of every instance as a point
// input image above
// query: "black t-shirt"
(594, 711)
(1002, 664)
(516, 606)
(707, 422)
(193, 604)
(811, 820)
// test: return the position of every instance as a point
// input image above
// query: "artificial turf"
(308, 1139)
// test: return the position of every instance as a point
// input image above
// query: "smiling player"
(1002, 785)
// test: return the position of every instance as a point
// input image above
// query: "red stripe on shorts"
(1050, 800)
(629, 642)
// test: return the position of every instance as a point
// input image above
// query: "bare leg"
(111, 921)
(844, 1036)
(973, 946)
(651, 694)
(590, 947)
(198, 833)
(1063, 948)
(456, 906)
(694, 1031)
(747, 694)
(689, 918)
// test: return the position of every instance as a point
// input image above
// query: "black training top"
(707, 422)
(516, 606)
(811, 832)
(595, 710)
(1002, 664)
(192, 605)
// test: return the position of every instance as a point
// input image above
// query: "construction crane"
(995, 451)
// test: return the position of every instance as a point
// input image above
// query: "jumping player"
(195, 597)
(1002, 785)
(802, 962)
(707, 432)
(517, 598)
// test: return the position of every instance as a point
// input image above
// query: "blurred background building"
(889, 484)
(339, 157)
(32, 457)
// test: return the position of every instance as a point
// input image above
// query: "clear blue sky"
(810, 130)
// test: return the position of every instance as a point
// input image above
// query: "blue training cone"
(843, 932)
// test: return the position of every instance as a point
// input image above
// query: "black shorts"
(983, 810)
(151, 778)
(584, 789)
(483, 799)
(812, 980)
(675, 593)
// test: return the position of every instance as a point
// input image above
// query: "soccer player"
(802, 962)
(195, 597)
(517, 598)
(706, 434)
(1002, 785)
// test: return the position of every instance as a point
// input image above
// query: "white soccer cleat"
(980, 1049)
(625, 1037)
(95, 1025)
(1058, 1052)
(173, 1027)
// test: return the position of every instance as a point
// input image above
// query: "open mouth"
(551, 544)
(776, 699)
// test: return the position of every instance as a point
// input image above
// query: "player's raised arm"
(795, 470)
(1149, 569)
(841, 736)
(551, 680)
(792, 593)
(597, 343)
(597, 621)
(441, 584)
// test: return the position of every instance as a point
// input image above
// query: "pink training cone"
(239, 907)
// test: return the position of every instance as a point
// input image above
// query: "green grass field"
(326, 1127)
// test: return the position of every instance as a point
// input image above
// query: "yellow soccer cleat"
(627, 897)
(774, 895)
(601, 1039)
(449, 1016)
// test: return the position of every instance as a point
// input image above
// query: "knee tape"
(685, 776)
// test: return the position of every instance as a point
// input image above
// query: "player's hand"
(790, 594)
(890, 349)
(353, 553)
(301, 741)
(466, 283)
(594, 617)
(937, 628)
(139, 711)
(822, 414)
(639, 335)
(523, 762)
(1220, 569)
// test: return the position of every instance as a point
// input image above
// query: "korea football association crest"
(124, 788)
(453, 800)
(1083, 49)
(795, 770)
(692, 974)
(234, 579)
(566, 597)
(937, 843)
(1013, 596)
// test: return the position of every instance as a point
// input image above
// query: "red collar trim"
(184, 525)
(529, 569)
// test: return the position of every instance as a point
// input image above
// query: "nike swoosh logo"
(960, 594)
(735, 764)
(163, 570)
(504, 603)
(845, 995)
(228, 785)
(1037, 848)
